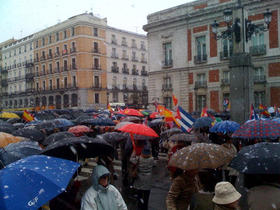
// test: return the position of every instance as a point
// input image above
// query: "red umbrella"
(79, 129)
(154, 115)
(132, 112)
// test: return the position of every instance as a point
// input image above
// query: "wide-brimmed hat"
(225, 193)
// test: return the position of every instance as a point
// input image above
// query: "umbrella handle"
(133, 142)
(2, 164)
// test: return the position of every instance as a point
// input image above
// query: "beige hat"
(225, 193)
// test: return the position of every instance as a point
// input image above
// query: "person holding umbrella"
(102, 195)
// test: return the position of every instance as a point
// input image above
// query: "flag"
(28, 117)
(109, 108)
(226, 104)
(184, 119)
(175, 100)
(264, 111)
(168, 115)
(204, 112)
(253, 114)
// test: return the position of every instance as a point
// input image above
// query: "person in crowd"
(184, 185)
(107, 161)
(126, 151)
(226, 197)
(266, 193)
(102, 195)
(142, 182)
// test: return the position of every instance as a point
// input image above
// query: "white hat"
(225, 193)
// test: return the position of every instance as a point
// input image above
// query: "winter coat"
(98, 197)
(202, 201)
(144, 172)
(264, 197)
(181, 191)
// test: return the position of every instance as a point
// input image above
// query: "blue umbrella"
(276, 119)
(63, 123)
(226, 126)
(31, 182)
(203, 122)
(98, 121)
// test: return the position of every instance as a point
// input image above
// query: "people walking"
(102, 195)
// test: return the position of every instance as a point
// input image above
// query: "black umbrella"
(57, 137)
(170, 132)
(30, 133)
(156, 122)
(131, 119)
(78, 147)
(19, 125)
(98, 121)
(47, 125)
(113, 137)
(14, 120)
(7, 129)
(82, 118)
(261, 158)
(3, 123)
(16, 151)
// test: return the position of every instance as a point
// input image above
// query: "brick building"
(191, 64)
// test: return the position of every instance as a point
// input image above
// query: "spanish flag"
(168, 115)
(204, 112)
(27, 116)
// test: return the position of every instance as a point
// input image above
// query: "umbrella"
(203, 122)
(226, 126)
(131, 119)
(8, 115)
(155, 115)
(47, 125)
(258, 129)
(30, 133)
(156, 122)
(56, 137)
(19, 125)
(182, 137)
(6, 139)
(98, 121)
(62, 123)
(276, 120)
(78, 129)
(261, 158)
(31, 182)
(66, 116)
(170, 132)
(78, 147)
(132, 112)
(121, 124)
(113, 137)
(200, 156)
(6, 129)
(82, 117)
(16, 151)
(14, 120)
(138, 129)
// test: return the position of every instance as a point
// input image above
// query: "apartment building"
(127, 75)
(189, 62)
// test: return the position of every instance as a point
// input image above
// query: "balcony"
(145, 88)
(36, 59)
(259, 79)
(97, 87)
(144, 73)
(143, 60)
(96, 50)
(73, 66)
(135, 72)
(64, 52)
(115, 69)
(225, 81)
(125, 57)
(225, 55)
(19, 65)
(124, 43)
(56, 55)
(30, 90)
(115, 87)
(4, 70)
(96, 67)
(199, 59)
(114, 41)
(4, 82)
(258, 50)
(134, 59)
(124, 87)
(167, 87)
(50, 56)
(29, 76)
(73, 49)
(64, 68)
(167, 63)
(114, 55)
(143, 48)
(42, 58)
(56, 70)
(135, 87)
(29, 64)
(200, 84)
(125, 71)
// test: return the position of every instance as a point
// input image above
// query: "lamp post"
(240, 30)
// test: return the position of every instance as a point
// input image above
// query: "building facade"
(190, 63)
(127, 75)
(67, 65)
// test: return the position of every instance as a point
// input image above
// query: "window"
(57, 50)
(124, 55)
(73, 48)
(226, 77)
(57, 83)
(124, 83)
(96, 63)
(65, 82)
(44, 85)
(134, 56)
(200, 102)
(96, 98)
(133, 43)
(167, 48)
(24, 48)
(15, 52)
(19, 50)
(57, 36)
(50, 53)
(65, 65)
(259, 98)
(200, 49)
(64, 49)
(50, 67)
(73, 63)
(114, 82)
(95, 31)
(115, 97)
(72, 31)
(227, 48)
(43, 54)
(37, 44)
(37, 86)
(114, 53)
(258, 39)
(95, 47)
(30, 47)
(259, 74)
(124, 41)
(134, 83)
(43, 41)
(167, 102)
(143, 45)
(65, 34)
(96, 81)
(50, 39)
(51, 85)
(44, 69)
(114, 40)
(57, 66)
(74, 81)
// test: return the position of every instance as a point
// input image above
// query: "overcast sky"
(20, 18)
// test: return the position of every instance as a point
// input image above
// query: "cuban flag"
(184, 119)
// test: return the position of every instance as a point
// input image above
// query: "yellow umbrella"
(6, 139)
(9, 115)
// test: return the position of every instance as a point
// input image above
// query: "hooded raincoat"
(98, 197)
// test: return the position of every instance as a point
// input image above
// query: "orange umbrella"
(132, 112)
(6, 139)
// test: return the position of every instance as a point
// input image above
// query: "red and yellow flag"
(168, 115)
(27, 116)
(204, 112)
(175, 100)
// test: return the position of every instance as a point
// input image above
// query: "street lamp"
(235, 28)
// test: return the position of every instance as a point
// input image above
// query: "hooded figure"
(98, 197)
